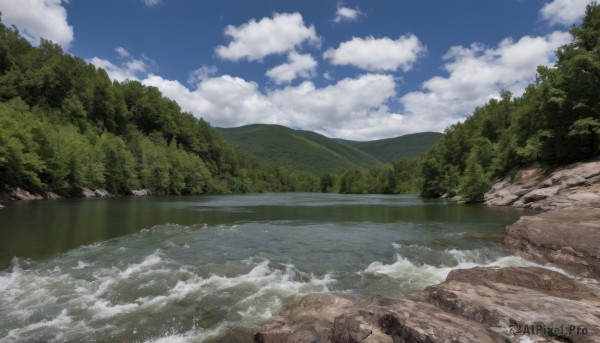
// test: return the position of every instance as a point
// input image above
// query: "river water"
(214, 268)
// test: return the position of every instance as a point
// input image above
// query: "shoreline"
(486, 304)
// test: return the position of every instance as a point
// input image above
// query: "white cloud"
(564, 12)
(346, 14)
(201, 74)
(476, 74)
(377, 54)
(257, 39)
(38, 19)
(351, 108)
(151, 3)
(298, 66)
(360, 108)
(129, 69)
(122, 52)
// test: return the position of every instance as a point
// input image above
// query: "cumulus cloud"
(476, 74)
(364, 107)
(38, 19)
(298, 65)
(378, 54)
(564, 12)
(346, 14)
(257, 39)
(201, 74)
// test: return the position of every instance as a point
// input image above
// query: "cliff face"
(574, 186)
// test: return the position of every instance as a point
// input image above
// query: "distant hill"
(310, 151)
(387, 150)
(304, 150)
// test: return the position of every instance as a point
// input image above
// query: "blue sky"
(353, 69)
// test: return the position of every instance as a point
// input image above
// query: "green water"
(214, 268)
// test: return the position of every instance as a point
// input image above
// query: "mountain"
(310, 151)
(389, 149)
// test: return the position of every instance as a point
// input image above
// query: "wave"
(69, 303)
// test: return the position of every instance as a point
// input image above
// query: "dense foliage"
(65, 125)
(399, 177)
(556, 121)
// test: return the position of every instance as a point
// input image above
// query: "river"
(214, 268)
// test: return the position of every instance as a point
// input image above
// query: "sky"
(358, 70)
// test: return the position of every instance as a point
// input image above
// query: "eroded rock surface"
(472, 305)
(574, 186)
(569, 238)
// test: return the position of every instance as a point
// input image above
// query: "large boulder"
(569, 238)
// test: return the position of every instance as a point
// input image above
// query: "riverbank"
(18, 193)
(486, 304)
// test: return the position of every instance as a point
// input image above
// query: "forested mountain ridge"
(555, 122)
(65, 125)
(310, 151)
(391, 149)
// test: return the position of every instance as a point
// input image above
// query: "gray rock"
(87, 193)
(21, 194)
(567, 237)
(102, 193)
(472, 305)
(574, 181)
(506, 200)
(1, 207)
(52, 196)
(140, 192)
(587, 197)
(540, 194)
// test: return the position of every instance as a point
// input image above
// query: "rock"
(338, 318)
(102, 193)
(559, 190)
(503, 201)
(574, 181)
(21, 194)
(51, 196)
(566, 237)
(540, 193)
(1, 207)
(499, 298)
(587, 197)
(87, 193)
(457, 198)
(472, 305)
(140, 192)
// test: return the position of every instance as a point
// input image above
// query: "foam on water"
(422, 274)
(64, 303)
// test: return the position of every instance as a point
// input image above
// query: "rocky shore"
(17, 193)
(486, 304)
